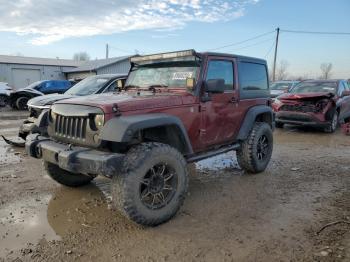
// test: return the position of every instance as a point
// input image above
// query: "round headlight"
(99, 121)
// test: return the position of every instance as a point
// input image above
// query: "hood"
(47, 100)
(305, 96)
(29, 90)
(128, 101)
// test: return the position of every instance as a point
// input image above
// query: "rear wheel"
(4, 100)
(255, 152)
(333, 125)
(66, 178)
(21, 103)
(152, 185)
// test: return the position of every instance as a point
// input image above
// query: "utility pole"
(107, 50)
(275, 58)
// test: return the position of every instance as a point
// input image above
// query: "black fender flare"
(250, 118)
(122, 129)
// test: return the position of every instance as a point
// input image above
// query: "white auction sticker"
(182, 75)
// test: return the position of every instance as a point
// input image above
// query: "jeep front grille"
(71, 127)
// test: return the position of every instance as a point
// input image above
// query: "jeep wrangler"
(175, 108)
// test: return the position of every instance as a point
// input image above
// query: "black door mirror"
(215, 86)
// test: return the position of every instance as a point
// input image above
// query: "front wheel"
(255, 152)
(66, 178)
(152, 184)
(21, 103)
(333, 125)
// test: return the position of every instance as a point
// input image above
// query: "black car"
(19, 99)
(91, 85)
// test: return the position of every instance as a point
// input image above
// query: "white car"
(5, 92)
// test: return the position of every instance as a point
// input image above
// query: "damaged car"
(20, 98)
(318, 103)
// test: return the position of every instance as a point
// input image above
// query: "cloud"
(49, 21)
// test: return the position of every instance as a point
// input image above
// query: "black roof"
(232, 55)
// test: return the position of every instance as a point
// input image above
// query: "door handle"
(233, 100)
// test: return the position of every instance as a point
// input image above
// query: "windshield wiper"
(157, 85)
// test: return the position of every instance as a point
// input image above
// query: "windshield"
(314, 87)
(162, 75)
(35, 85)
(280, 86)
(88, 86)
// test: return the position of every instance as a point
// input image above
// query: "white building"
(20, 71)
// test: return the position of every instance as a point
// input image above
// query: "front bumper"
(74, 159)
(302, 119)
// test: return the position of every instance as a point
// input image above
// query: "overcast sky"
(59, 28)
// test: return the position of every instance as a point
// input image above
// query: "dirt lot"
(228, 215)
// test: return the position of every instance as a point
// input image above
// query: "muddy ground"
(227, 216)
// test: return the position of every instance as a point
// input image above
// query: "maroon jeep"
(318, 103)
(175, 108)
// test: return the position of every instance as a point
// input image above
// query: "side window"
(112, 87)
(252, 76)
(220, 69)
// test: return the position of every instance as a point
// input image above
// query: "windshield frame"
(159, 64)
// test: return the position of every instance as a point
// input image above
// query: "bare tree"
(326, 69)
(81, 56)
(301, 77)
(281, 72)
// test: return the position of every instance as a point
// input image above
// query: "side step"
(221, 150)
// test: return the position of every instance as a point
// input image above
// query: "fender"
(250, 118)
(122, 129)
(42, 120)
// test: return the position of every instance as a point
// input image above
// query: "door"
(24, 77)
(219, 114)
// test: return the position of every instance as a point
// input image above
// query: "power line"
(314, 32)
(241, 42)
(270, 49)
(255, 44)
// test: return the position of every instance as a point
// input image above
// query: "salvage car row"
(172, 109)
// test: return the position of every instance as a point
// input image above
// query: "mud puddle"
(24, 222)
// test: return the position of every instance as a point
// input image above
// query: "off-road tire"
(21, 103)
(247, 155)
(4, 100)
(279, 125)
(333, 125)
(66, 178)
(126, 186)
